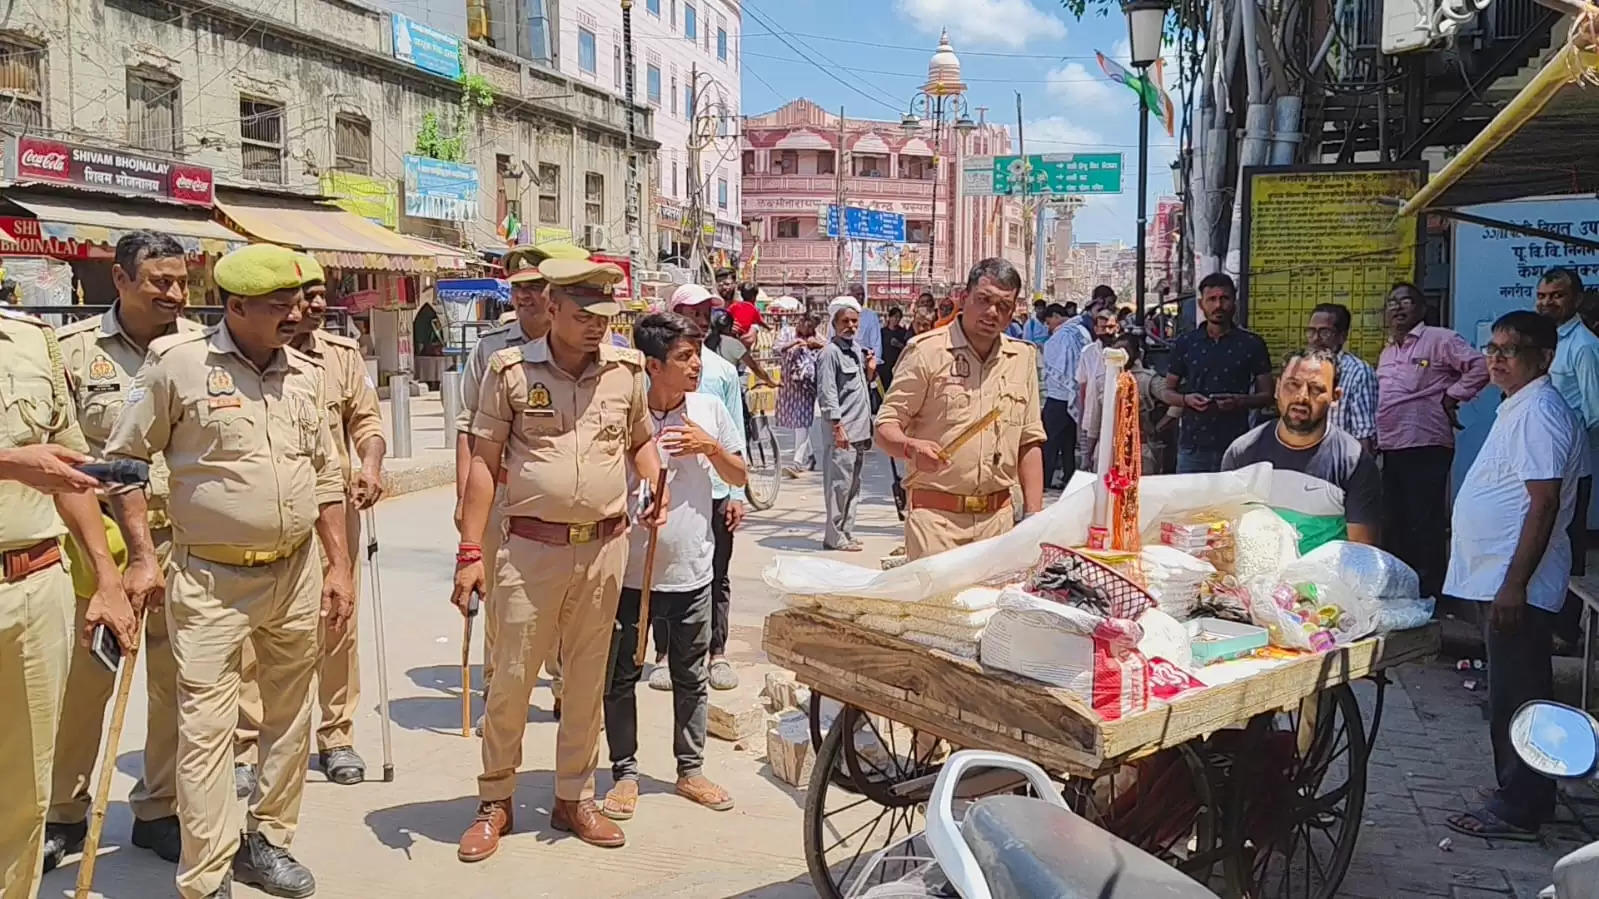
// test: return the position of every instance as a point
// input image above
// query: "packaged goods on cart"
(1378, 576)
(1173, 578)
(951, 621)
(1308, 606)
(1095, 657)
(1262, 544)
(1205, 535)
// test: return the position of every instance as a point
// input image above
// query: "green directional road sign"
(1058, 173)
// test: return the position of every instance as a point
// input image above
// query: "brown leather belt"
(955, 502)
(554, 533)
(29, 560)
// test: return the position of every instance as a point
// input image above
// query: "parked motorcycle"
(1017, 847)
(1562, 742)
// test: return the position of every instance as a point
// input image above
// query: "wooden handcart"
(1255, 787)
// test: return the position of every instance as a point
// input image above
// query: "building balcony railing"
(827, 186)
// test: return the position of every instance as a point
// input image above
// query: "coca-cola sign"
(129, 174)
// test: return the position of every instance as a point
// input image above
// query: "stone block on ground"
(779, 690)
(788, 749)
(734, 715)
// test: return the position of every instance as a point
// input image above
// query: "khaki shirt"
(35, 407)
(101, 362)
(941, 386)
(348, 398)
(566, 440)
(250, 452)
(477, 365)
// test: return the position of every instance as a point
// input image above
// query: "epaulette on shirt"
(300, 356)
(20, 316)
(163, 345)
(340, 340)
(625, 355)
(91, 323)
(503, 359)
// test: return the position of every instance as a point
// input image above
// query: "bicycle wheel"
(764, 462)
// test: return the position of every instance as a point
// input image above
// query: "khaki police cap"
(259, 269)
(312, 269)
(588, 283)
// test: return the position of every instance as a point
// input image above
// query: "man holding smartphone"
(44, 499)
(102, 354)
(237, 413)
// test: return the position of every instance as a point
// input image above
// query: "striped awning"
(103, 220)
(337, 239)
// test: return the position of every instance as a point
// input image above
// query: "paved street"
(398, 840)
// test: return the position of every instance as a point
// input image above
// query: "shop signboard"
(36, 159)
(426, 48)
(373, 199)
(866, 224)
(31, 240)
(435, 189)
(624, 290)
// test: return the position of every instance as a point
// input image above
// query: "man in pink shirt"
(1423, 376)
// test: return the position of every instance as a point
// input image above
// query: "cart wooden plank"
(979, 708)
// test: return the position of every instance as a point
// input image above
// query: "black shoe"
(61, 840)
(271, 869)
(163, 836)
(225, 891)
(244, 781)
(342, 765)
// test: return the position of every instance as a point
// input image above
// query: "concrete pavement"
(398, 840)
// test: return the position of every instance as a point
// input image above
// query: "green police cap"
(311, 269)
(259, 269)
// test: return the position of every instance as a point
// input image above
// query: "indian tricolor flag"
(510, 229)
(1149, 90)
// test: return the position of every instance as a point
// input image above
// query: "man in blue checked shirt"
(1356, 412)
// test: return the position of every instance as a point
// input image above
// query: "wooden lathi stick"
(108, 767)
(649, 572)
(466, 664)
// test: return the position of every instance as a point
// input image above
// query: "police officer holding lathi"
(44, 498)
(946, 383)
(564, 415)
(238, 414)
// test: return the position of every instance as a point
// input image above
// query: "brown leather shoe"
(482, 839)
(583, 820)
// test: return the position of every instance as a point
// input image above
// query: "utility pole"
(1027, 178)
(840, 253)
(635, 241)
(696, 210)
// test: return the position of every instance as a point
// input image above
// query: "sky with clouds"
(870, 56)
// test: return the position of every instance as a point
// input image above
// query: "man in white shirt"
(1509, 548)
(1060, 393)
(1091, 383)
(696, 436)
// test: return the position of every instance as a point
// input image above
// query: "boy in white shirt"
(695, 435)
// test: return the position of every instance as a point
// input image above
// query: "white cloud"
(1081, 86)
(1058, 134)
(1003, 23)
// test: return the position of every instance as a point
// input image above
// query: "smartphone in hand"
(104, 647)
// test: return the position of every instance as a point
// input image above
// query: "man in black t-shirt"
(1325, 483)
(1218, 373)
(895, 336)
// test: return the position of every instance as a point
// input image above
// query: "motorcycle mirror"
(1556, 740)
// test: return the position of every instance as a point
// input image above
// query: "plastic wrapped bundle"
(1264, 543)
(1173, 578)
(1368, 571)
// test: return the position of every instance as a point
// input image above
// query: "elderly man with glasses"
(1423, 376)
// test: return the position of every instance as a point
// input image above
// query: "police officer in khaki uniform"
(946, 380)
(239, 415)
(564, 414)
(351, 404)
(530, 320)
(102, 354)
(43, 498)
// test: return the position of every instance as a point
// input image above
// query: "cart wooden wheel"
(868, 791)
(1298, 789)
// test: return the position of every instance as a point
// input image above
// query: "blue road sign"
(867, 224)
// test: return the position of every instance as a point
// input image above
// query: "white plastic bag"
(1263, 544)
(1369, 571)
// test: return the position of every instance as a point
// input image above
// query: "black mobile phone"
(119, 471)
(104, 647)
(472, 602)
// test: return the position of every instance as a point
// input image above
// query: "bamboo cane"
(108, 767)
(466, 664)
(649, 572)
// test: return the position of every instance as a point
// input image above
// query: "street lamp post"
(1146, 20)
(943, 97)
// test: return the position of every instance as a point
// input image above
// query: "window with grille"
(749, 162)
(549, 193)
(593, 198)
(824, 162)
(788, 227)
(153, 111)
(21, 83)
(261, 139)
(352, 144)
(587, 52)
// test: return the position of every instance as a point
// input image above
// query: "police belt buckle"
(976, 505)
(254, 558)
(582, 533)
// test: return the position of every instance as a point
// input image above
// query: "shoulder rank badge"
(538, 396)
(219, 382)
(101, 369)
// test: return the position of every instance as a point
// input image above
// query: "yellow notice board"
(1325, 235)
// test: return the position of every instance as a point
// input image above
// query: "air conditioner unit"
(594, 237)
(1407, 25)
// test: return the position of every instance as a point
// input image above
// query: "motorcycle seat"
(1027, 849)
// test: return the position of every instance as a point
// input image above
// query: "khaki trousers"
(213, 612)
(930, 531)
(544, 592)
(35, 648)
(338, 673)
(89, 689)
(493, 540)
